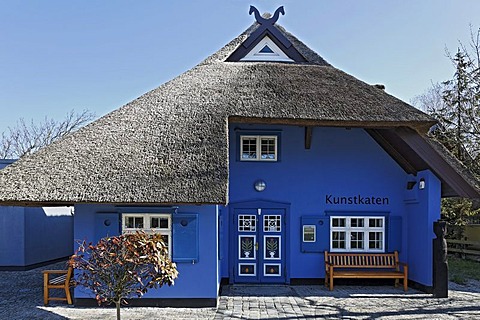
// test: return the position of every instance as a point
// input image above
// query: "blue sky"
(56, 56)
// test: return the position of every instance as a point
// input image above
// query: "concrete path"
(21, 298)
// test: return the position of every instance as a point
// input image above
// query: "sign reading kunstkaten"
(357, 199)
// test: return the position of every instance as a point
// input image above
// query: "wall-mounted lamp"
(260, 185)
(421, 184)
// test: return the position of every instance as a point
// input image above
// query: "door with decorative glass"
(259, 241)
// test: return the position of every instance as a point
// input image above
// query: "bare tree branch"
(23, 139)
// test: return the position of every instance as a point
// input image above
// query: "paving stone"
(21, 297)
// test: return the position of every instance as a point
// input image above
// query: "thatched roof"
(171, 144)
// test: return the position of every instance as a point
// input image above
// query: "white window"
(150, 223)
(357, 234)
(258, 148)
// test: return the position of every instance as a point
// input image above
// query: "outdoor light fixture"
(260, 185)
(421, 184)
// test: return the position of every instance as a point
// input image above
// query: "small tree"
(122, 267)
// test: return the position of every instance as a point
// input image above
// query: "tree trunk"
(117, 306)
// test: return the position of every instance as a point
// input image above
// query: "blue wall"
(340, 162)
(421, 214)
(47, 237)
(30, 236)
(196, 280)
(12, 236)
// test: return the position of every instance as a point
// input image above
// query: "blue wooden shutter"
(394, 233)
(322, 235)
(185, 237)
(106, 225)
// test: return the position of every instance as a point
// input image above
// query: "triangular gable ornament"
(266, 43)
(266, 50)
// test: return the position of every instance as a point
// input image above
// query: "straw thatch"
(171, 144)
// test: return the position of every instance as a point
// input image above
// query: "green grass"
(460, 270)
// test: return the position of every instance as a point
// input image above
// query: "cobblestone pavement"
(346, 302)
(21, 298)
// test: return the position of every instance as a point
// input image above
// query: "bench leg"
(405, 284)
(331, 282)
(67, 294)
(45, 289)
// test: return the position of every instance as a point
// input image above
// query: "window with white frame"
(357, 234)
(258, 148)
(150, 223)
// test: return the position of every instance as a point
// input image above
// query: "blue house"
(251, 165)
(33, 236)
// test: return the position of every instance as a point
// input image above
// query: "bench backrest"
(362, 260)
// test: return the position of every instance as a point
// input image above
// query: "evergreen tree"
(456, 105)
(459, 115)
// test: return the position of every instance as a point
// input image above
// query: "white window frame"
(147, 225)
(258, 147)
(366, 229)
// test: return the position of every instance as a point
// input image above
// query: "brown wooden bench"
(365, 265)
(61, 282)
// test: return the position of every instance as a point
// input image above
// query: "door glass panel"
(246, 247)
(247, 223)
(272, 223)
(272, 270)
(247, 269)
(272, 248)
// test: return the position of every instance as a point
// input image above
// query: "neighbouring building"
(252, 164)
(33, 236)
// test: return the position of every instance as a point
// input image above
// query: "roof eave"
(457, 181)
(27, 203)
(419, 126)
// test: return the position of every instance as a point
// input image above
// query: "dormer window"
(258, 148)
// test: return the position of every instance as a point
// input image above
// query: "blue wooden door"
(259, 245)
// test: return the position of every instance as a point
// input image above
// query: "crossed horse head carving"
(261, 20)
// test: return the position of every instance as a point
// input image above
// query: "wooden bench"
(365, 265)
(61, 282)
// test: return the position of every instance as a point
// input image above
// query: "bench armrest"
(328, 265)
(404, 267)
